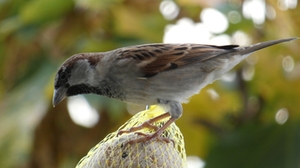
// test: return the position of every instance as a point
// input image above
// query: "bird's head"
(74, 76)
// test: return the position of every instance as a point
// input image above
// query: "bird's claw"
(147, 138)
(134, 129)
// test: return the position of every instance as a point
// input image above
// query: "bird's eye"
(63, 76)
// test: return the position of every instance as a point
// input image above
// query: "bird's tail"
(258, 46)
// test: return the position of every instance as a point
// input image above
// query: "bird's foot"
(148, 137)
(155, 135)
(146, 124)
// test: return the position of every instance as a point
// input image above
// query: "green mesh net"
(113, 151)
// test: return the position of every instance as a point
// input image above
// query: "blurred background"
(249, 118)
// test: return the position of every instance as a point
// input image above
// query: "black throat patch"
(103, 89)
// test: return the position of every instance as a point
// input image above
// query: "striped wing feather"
(155, 58)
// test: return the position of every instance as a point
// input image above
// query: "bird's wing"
(156, 58)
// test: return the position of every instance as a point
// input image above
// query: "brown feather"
(156, 58)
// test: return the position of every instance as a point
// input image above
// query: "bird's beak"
(59, 95)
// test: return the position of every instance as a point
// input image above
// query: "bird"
(150, 74)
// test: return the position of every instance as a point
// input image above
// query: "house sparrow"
(163, 74)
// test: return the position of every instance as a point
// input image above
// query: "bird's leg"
(146, 124)
(156, 134)
(175, 112)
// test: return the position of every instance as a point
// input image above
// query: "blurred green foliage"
(236, 130)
